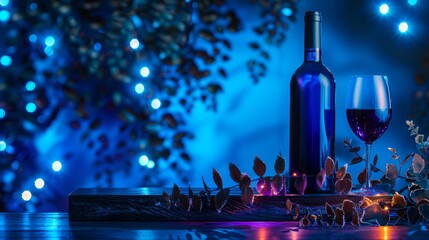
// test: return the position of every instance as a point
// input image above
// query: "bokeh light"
(5, 60)
(156, 103)
(4, 3)
(56, 166)
(2, 113)
(144, 71)
(139, 88)
(403, 27)
(287, 12)
(39, 183)
(412, 2)
(30, 107)
(384, 8)
(143, 160)
(3, 146)
(30, 86)
(97, 46)
(32, 38)
(151, 164)
(26, 195)
(134, 43)
(4, 15)
(49, 41)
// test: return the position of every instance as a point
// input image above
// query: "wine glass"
(369, 111)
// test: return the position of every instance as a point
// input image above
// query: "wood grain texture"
(57, 226)
(146, 204)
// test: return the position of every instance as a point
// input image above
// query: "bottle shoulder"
(313, 68)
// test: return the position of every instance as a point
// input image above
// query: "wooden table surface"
(57, 226)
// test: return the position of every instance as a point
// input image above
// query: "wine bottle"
(312, 113)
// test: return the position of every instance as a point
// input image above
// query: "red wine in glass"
(368, 112)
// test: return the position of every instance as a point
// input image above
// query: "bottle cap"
(314, 16)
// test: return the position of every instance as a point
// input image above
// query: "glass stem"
(368, 171)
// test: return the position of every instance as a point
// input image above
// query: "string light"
(143, 160)
(26, 195)
(384, 8)
(144, 71)
(39, 183)
(156, 103)
(403, 27)
(139, 88)
(56, 166)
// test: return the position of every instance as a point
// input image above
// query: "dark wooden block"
(146, 204)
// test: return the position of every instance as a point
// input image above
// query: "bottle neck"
(312, 37)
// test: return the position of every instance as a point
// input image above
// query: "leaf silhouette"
(277, 184)
(301, 184)
(296, 212)
(348, 206)
(247, 195)
(288, 205)
(424, 211)
(355, 218)
(244, 181)
(329, 210)
(342, 172)
(190, 192)
(392, 150)
(166, 199)
(343, 186)
(391, 171)
(175, 194)
(184, 201)
(375, 161)
(413, 215)
(197, 204)
(418, 163)
(406, 158)
(354, 150)
(207, 189)
(221, 199)
(383, 217)
(234, 172)
(356, 160)
(217, 178)
(371, 212)
(329, 166)
(365, 202)
(339, 217)
(320, 178)
(362, 176)
(279, 165)
(259, 167)
(398, 201)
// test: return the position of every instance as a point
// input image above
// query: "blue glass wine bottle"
(312, 113)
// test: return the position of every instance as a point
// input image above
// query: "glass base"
(370, 191)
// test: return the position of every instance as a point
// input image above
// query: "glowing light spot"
(156, 103)
(143, 160)
(30, 107)
(32, 38)
(8, 177)
(139, 88)
(4, 15)
(30, 86)
(5, 60)
(386, 208)
(294, 174)
(49, 41)
(97, 46)
(4, 3)
(26, 195)
(403, 27)
(49, 51)
(39, 183)
(134, 43)
(384, 8)
(151, 164)
(144, 71)
(2, 113)
(287, 12)
(3, 146)
(33, 6)
(412, 2)
(56, 166)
